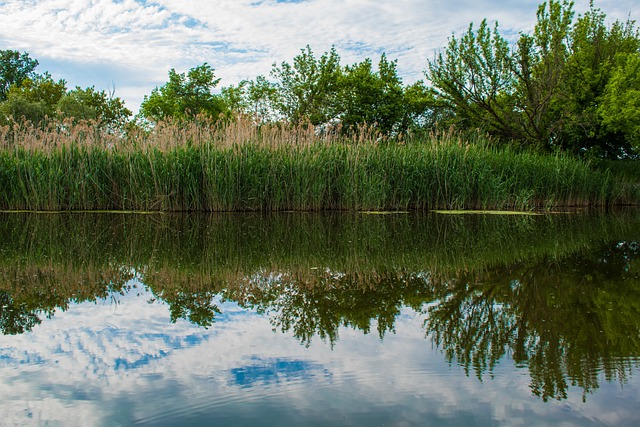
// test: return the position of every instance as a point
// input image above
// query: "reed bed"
(237, 166)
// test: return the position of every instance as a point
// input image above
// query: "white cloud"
(241, 38)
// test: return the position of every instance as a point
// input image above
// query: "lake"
(333, 319)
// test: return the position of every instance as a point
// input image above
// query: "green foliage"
(256, 98)
(232, 97)
(473, 77)
(548, 90)
(422, 109)
(620, 106)
(34, 99)
(90, 104)
(307, 90)
(597, 53)
(14, 69)
(370, 97)
(184, 96)
(261, 96)
(322, 92)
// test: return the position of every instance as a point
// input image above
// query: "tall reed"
(238, 166)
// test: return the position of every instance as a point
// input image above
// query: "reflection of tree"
(567, 320)
(32, 292)
(196, 307)
(15, 318)
(322, 302)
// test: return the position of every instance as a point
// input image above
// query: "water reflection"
(558, 295)
(568, 319)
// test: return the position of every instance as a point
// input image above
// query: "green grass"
(243, 168)
(628, 170)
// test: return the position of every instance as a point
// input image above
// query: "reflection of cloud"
(104, 364)
(274, 371)
(241, 38)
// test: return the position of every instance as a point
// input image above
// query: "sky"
(128, 46)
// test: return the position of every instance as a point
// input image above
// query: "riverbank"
(239, 167)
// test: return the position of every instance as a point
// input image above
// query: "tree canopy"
(25, 94)
(546, 90)
(14, 69)
(184, 96)
(321, 91)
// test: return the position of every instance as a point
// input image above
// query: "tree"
(34, 99)
(233, 98)
(595, 49)
(256, 98)
(474, 78)
(545, 90)
(539, 68)
(422, 109)
(507, 91)
(14, 69)
(90, 104)
(260, 99)
(185, 96)
(372, 97)
(306, 90)
(620, 104)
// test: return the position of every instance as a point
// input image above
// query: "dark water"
(319, 320)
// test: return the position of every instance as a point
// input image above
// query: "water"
(319, 320)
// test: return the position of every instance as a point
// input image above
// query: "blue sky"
(130, 45)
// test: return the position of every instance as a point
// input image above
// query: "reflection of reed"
(55, 285)
(80, 254)
(253, 242)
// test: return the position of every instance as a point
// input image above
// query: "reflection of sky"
(125, 363)
(273, 371)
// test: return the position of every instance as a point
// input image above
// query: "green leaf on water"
(481, 212)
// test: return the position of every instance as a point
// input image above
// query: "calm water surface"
(319, 320)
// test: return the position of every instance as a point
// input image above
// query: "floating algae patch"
(384, 212)
(463, 212)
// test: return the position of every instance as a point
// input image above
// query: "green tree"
(260, 99)
(306, 90)
(14, 69)
(34, 99)
(545, 90)
(90, 104)
(620, 104)
(595, 49)
(507, 91)
(423, 111)
(256, 98)
(538, 67)
(474, 78)
(372, 97)
(185, 96)
(233, 98)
